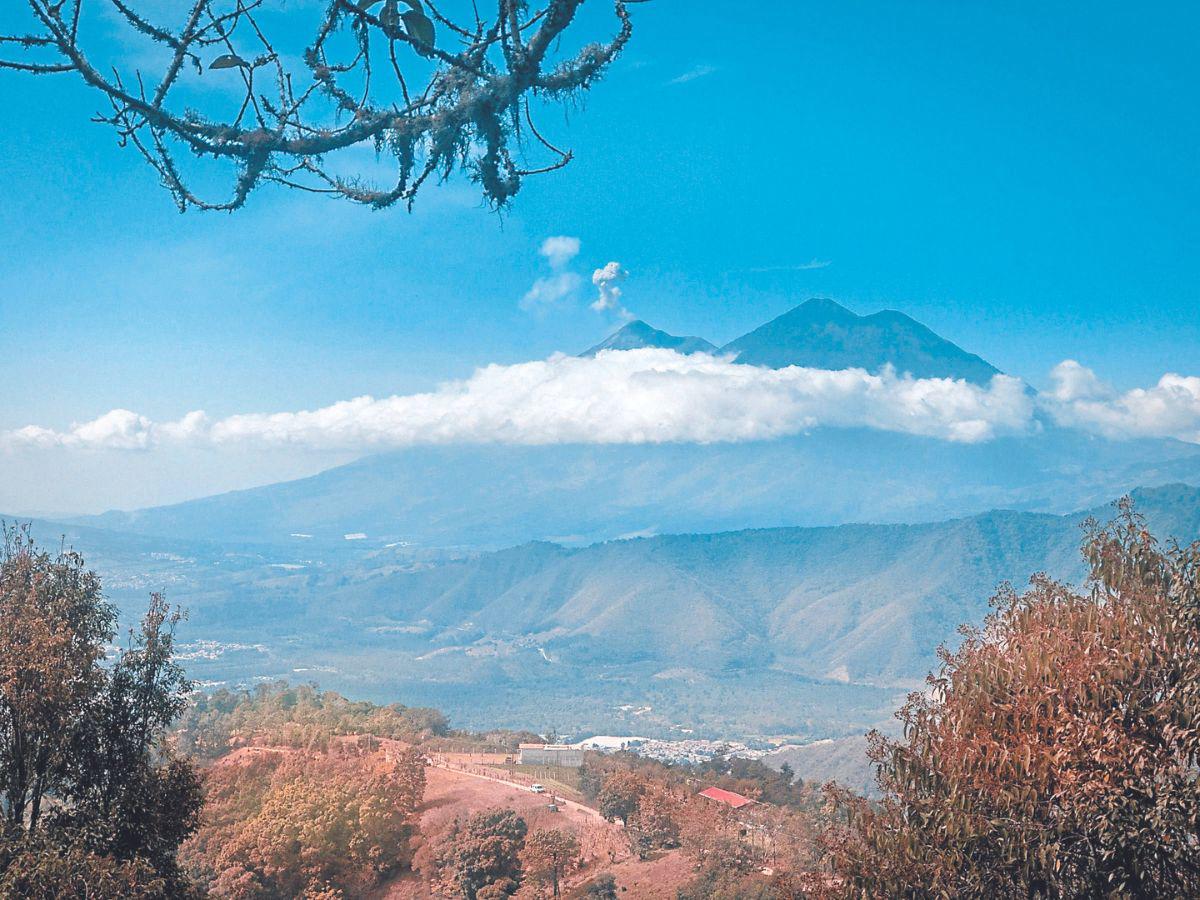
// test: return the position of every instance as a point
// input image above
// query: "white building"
(550, 755)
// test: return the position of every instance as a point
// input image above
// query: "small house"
(729, 798)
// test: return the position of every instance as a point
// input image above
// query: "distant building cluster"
(690, 751)
(550, 755)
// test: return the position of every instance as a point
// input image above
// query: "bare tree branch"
(478, 77)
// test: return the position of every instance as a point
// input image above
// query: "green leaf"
(418, 26)
(367, 4)
(389, 18)
(228, 61)
(415, 5)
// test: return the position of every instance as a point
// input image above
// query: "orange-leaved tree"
(548, 855)
(1055, 753)
(283, 823)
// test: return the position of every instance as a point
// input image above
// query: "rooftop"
(729, 798)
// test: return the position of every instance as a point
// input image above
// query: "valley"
(781, 636)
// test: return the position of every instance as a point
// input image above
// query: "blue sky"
(1020, 177)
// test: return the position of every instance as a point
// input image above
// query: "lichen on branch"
(430, 94)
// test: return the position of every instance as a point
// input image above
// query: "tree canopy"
(1055, 754)
(548, 855)
(481, 855)
(291, 823)
(90, 788)
(299, 715)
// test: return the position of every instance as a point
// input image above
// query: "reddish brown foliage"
(549, 854)
(284, 823)
(1055, 755)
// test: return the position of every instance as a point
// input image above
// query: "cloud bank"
(1078, 399)
(660, 396)
(637, 396)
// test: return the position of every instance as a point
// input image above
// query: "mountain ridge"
(494, 496)
(857, 602)
(822, 334)
(637, 335)
(814, 632)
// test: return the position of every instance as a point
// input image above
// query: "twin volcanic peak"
(823, 334)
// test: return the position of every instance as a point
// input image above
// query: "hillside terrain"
(306, 789)
(843, 760)
(490, 497)
(797, 634)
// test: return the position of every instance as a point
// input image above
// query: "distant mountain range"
(492, 496)
(823, 334)
(864, 603)
(805, 632)
(496, 496)
(663, 590)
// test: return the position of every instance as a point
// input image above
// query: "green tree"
(87, 779)
(720, 883)
(602, 887)
(1055, 753)
(295, 715)
(656, 824)
(294, 823)
(41, 867)
(481, 856)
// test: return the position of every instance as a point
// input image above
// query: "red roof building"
(729, 798)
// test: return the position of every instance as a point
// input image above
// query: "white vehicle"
(537, 788)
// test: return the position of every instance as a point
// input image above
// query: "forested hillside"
(806, 633)
(860, 603)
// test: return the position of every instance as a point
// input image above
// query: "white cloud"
(638, 396)
(117, 429)
(559, 250)
(608, 286)
(551, 290)
(813, 263)
(1078, 399)
(561, 286)
(692, 74)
